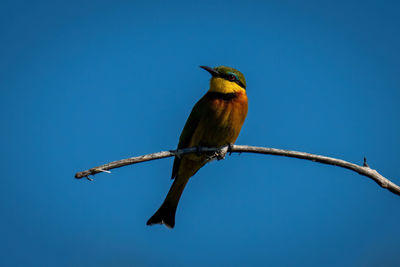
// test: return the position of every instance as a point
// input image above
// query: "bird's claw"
(199, 150)
(177, 153)
(230, 147)
(221, 152)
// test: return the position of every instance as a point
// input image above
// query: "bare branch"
(220, 153)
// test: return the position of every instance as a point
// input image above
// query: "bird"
(215, 120)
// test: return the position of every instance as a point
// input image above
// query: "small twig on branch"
(220, 152)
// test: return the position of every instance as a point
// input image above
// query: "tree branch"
(220, 153)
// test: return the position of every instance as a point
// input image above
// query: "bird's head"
(226, 79)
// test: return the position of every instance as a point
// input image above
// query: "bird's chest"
(222, 121)
(225, 114)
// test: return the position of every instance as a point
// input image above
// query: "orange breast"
(221, 122)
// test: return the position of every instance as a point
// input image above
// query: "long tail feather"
(166, 213)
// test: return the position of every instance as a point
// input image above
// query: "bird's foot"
(230, 147)
(199, 150)
(221, 152)
(177, 153)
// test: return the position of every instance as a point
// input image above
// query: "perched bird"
(215, 120)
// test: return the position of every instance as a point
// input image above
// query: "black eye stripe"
(241, 84)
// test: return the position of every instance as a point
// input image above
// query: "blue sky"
(83, 83)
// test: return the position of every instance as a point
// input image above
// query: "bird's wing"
(187, 133)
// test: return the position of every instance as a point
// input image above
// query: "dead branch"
(220, 153)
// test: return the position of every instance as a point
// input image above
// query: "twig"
(220, 152)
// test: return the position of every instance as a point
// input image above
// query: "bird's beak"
(212, 71)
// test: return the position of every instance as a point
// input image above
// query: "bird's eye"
(231, 77)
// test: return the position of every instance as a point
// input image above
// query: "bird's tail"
(166, 213)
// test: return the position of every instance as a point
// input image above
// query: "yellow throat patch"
(220, 85)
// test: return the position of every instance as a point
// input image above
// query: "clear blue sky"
(87, 82)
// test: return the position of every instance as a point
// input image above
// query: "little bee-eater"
(215, 120)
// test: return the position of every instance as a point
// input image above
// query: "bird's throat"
(219, 85)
